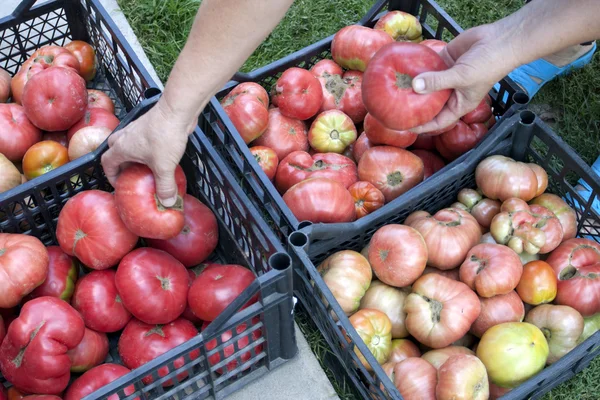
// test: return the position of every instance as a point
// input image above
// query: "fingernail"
(169, 202)
(418, 85)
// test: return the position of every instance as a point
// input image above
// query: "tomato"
(343, 93)
(58, 137)
(320, 200)
(431, 162)
(5, 79)
(379, 134)
(481, 208)
(44, 157)
(393, 171)
(576, 264)
(97, 378)
(192, 275)
(424, 142)
(148, 270)
(86, 56)
(512, 352)
(414, 378)
(94, 117)
(538, 283)
(331, 132)
(459, 140)
(501, 178)
(139, 207)
(97, 300)
(496, 310)
(33, 355)
(90, 352)
(450, 273)
(401, 26)
(449, 234)
(48, 106)
(99, 99)
(82, 229)
(438, 357)
(10, 176)
(591, 325)
(198, 238)
(496, 392)
(299, 94)
(62, 275)
(284, 134)
(247, 107)
(267, 159)
(463, 376)
(481, 114)
(17, 134)
(300, 166)
(390, 301)
(440, 310)
(232, 349)
(565, 214)
(141, 343)
(375, 329)
(87, 140)
(435, 45)
(361, 145)
(387, 86)
(216, 287)
(348, 275)
(367, 198)
(353, 46)
(326, 68)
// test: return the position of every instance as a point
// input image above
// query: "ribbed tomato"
(86, 55)
(17, 134)
(284, 134)
(379, 134)
(431, 162)
(320, 200)
(367, 198)
(353, 46)
(247, 105)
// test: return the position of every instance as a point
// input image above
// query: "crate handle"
(23, 8)
(373, 13)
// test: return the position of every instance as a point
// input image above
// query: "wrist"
(174, 117)
(504, 41)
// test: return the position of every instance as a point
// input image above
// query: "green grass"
(574, 101)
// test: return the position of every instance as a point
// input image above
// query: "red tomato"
(5, 79)
(2, 329)
(325, 68)
(62, 275)
(379, 134)
(147, 270)
(401, 26)
(463, 376)
(424, 142)
(10, 175)
(139, 208)
(565, 214)
(299, 94)
(390, 301)
(141, 343)
(331, 132)
(94, 117)
(320, 200)
(403, 349)
(58, 137)
(496, 310)
(387, 86)
(484, 210)
(576, 263)
(300, 166)
(97, 300)
(192, 275)
(87, 140)
(267, 159)
(459, 140)
(23, 266)
(82, 229)
(247, 107)
(393, 171)
(361, 145)
(353, 46)
(375, 329)
(449, 234)
(449, 273)
(367, 198)
(397, 254)
(435, 45)
(343, 93)
(438, 357)
(230, 350)
(48, 106)
(96, 378)
(90, 352)
(431, 162)
(538, 284)
(542, 178)
(86, 56)
(33, 355)
(414, 378)
(44, 157)
(99, 99)
(17, 134)
(284, 134)
(216, 287)
(439, 310)
(198, 238)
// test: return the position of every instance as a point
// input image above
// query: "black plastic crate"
(523, 137)
(218, 127)
(244, 238)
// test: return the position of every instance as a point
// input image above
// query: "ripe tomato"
(431, 162)
(393, 171)
(414, 378)
(58, 137)
(96, 378)
(192, 275)
(267, 159)
(17, 134)
(424, 142)
(367, 198)
(387, 86)
(5, 79)
(43, 157)
(216, 287)
(90, 352)
(48, 106)
(401, 26)
(94, 117)
(284, 134)
(379, 134)
(439, 310)
(361, 145)
(438, 357)
(342, 93)
(299, 94)
(139, 207)
(230, 350)
(2, 330)
(538, 283)
(565, 214)
(320, 200)
(481, 114)
(331, 132)
(353, 46)
(398, 254)
(449, 273)
(97, 300)
(82, 229)
(141, 343)
(247, 107)
(99, 99)
(62, 275)
(348, 275)
(23, 265)
(10, 176)
(484, 210)
(87, 140)
(402, 349)
(86, 56)
(496, 310)
(435, 45)
(459, 140)
(463, 376)
(375, 329)
(326, 68)
(148, 270)
(390, 301)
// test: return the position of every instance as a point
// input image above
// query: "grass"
(573, 101)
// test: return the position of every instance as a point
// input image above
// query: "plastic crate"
(218, 127)
(523, 137)
(244, 238)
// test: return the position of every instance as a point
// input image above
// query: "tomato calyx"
(334, 134)
(336, 86)
(547, 333)
(78, 236)
(395, 178)
(178, 206)
(2, 251)
(319, 165)
(165, 283)
(118, 299)
(375, 340)
(158, 330)
(482, 263)
(19, 358)
(436, 308)
(403, 81)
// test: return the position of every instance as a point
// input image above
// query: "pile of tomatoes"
(52, 118)
(306, 135)
(491, 289)
(54, 320)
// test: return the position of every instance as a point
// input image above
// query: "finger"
(429, 82)
(114, 137)
(111, 163)
(166, 188)
(443, 120)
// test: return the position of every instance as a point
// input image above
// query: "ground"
(571, 104)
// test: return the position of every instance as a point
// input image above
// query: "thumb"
(429, 82)
(166, 188)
